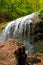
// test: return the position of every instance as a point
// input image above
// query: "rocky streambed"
(12, 52)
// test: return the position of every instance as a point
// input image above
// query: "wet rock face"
(37, 31)
(12, 52)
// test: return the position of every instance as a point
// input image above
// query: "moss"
(0, 30)
(41, 46)
(41, 14)
(2, 26)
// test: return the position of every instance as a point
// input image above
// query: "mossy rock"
(40, 42)
(41, 14)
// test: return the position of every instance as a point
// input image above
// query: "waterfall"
(19, 29)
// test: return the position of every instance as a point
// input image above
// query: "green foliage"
(41, 13)
(12, 9)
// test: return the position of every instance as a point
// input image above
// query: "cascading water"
(19, 29)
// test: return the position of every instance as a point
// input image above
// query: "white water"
(17, 29)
